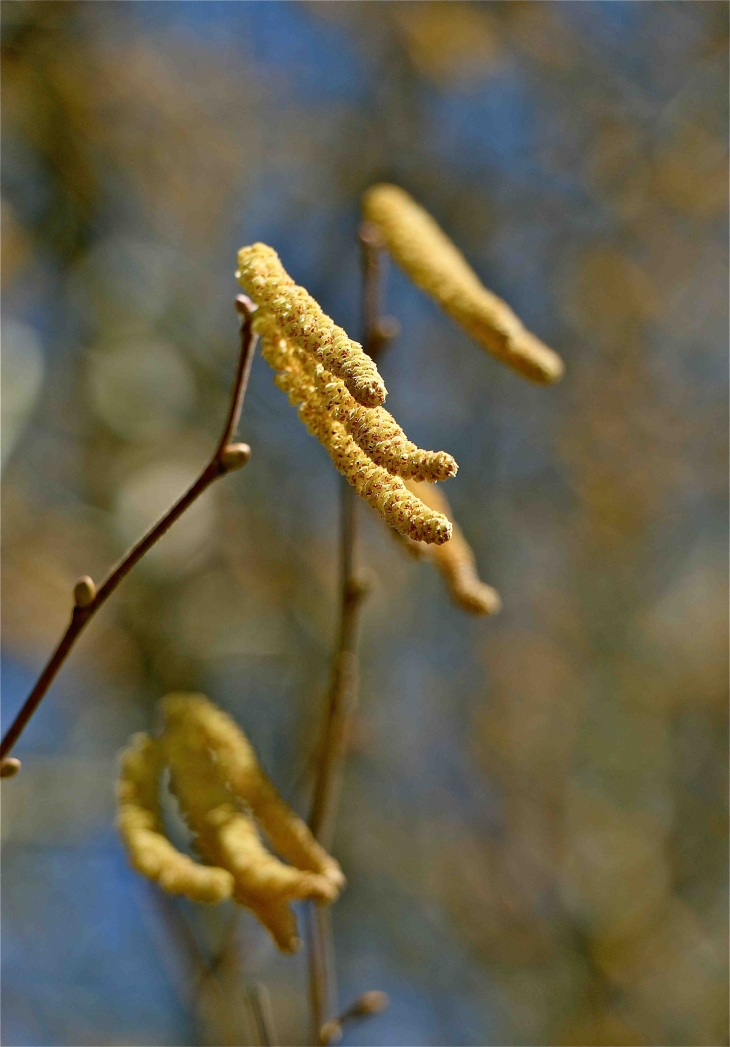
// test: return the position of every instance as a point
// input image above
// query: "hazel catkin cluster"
(435, 264)
(365, 442)
(225, 798)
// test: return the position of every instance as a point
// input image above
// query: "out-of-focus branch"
(87, 598)
(343, 695)
(225, 1009)
(365, 1006)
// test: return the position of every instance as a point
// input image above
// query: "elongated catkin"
(301, 319)
(435, 264)
(373, 429)
(140, 825)
(238, 766)
(456, 561)
(386, 493)
(224, 832)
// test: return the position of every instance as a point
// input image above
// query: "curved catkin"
(387, 494)
(456, 561)
(434, 263)
(377, 433)
(226, 834)
(139, 822)
(373, 429)
(301, 319)
(237, 764)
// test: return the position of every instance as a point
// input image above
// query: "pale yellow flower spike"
(227, 835)
(373, 429)
(139, 822)
(435, 264)
(456, 561)
(301, 319)
(386, 493)
(236, 761)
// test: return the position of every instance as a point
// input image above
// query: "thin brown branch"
(88, 599)
(343, 695)
(365, 1006)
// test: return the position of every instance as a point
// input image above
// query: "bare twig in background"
(261, 1007)
(343, 694)
(365, 1006)
(87, 598)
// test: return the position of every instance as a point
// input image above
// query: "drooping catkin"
(435, 264)
(301, 319)
(386, 493)
(139, 822)
(455, 560)
(238, 766)
(373, 429)
(224, 832)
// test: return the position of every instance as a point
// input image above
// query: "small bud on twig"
(244, 305)
(385, 331)
(372, 236)
(9, 767)
(84, 592)
(331, 1032)
(235, 456)
(372, 1002)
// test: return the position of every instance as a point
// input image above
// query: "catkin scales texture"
(311, 389)
(386, 493)
(435, 264)
(140, 825)
(225, 798)
(301, 319)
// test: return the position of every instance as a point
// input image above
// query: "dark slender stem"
(224, 459)
(342, 698)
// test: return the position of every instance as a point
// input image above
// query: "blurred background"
(533, 824)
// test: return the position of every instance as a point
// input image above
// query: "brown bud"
(371, 235)
(331, 1032)
(235, 456)
(9, 767)
(84, 592)
(372, 1002)
(385, 331)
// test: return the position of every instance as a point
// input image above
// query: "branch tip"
(244, 306)
(84, 592)
(369, 1003)
(371, 235)
(234, 456)
(9, 767)
(372, 1002)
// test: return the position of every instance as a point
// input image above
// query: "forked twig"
(365, 1006)
(87, 598)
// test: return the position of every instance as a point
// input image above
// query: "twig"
(261, 1007)
(222, 1013)
(365, 1006)
(88, 599)
(343, 693)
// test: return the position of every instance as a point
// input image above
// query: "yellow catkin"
(139, 822)
(435, 264)
(456, 561)
(373, 429)
(301, 319)
(237, 763)
(226, 834)
(386, 493)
